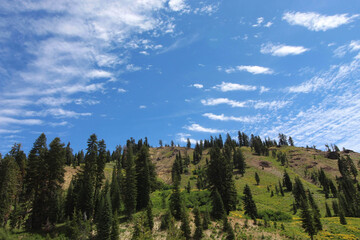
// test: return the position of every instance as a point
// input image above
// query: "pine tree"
(149, 215)
(257, 178)
(100, 166)
(114, 227)
(335, 207)
(176, 201)
(9, 172)
(249, 204)
(287, 181)
(281, 189)
(307, 218)
(342, 217)
(198, 224)
(328, 211)
(206, 219)
(298, 191)
(105, 219)
(218, 210)
(130, 184)
(239, 161)
(115, 193)
(142, 178)
(185, 225)
(220, 175)
(35, 172)
(315, 212)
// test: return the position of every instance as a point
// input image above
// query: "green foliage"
(185, 224)
(105, 218)
(239, 161)
(287, 181)
(142, 178)
(249, 203)
(114, 228)
(150, 217)
(218, 210)
(257, 178)
(198, 224)
(130, 184)
(176, 201)
(272, 215)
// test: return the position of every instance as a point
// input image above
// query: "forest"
(238, 188)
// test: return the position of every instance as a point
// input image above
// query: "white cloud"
(258, 22)
(251, 69)
(178, 5)
(144, 53)
(264, 89)
(353, 46)
(268, 24)
(332, 79)
(217, 101)
(282, 50)
(207, 9)
(183, 137)
(132, 68)
(99, 74)
(121, 90)
(225, 87)
(197, 128)
(7, 131)
(273, 105)
(317, 22)
(197, 85)
(243, 119)
(142, 106)
(8, 120)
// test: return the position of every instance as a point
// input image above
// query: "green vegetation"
(251, 188)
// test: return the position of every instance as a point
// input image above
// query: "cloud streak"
(282, 50)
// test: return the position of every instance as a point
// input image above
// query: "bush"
(274, 215)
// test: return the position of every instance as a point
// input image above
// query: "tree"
(228, 229)
(176, 201)
(130, 193)
(9, 172)
(239, 161)
(198, 224)
(188, 143)
(249, 204)
(218, 210)
(160, 143)
(100, 166)
(142, 178)
(315, 212)
(307, 218)
(342, 217)
(257, 178)
(185, 225)
(328, 211)
(149, 215)
(220, 175)
(115, 193)
(105, 218)
(114, 228)
(287, 181)
(291, 142)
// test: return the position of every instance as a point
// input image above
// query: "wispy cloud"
(197, 85)
(4, 121)
(142, 106)
(197, 128)
(243, 119)
(217, 101)
(282, 50)
(226, 87)
(353, 46)
(178, 5)
(183, 137)
(318, 22)
(251, 69)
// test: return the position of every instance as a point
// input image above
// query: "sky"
(178, 69)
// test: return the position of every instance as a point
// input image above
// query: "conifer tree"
(307, 218)
(342, 217)
(239, 161)
(69, 202)
(130, 193)
(249, 204)
(281, 189)
(100, 166)
(335, 207)
(220, 175)
(142, 178)
(315, 212)
(257, 178)
(115, 193)
(228, 229)
(185, 225)
(175, 201)
(198, 224)
(328, 211)
(287, 181)
(150, 217)
(206, 219)
(218, 210)
(105, 219)
(114, 227)
(9, 172)
(298, 191)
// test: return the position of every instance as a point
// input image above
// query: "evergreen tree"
(307, 218)
(115, 193)
(315, 212)
(198, 224)
(335, 207)
(281, 189)
(342, 217)
(298, 191)
(228, 229)
(149, 215)
(130, 193)
(239, 161)
(188, 143)
(69, 202)
(105, 219)
(220, 175)
(249, 204)
(257, 178)
(69, 155)
(185, 225)
(218, 210)
(287, 181)
(114, 228)
(142, 178)
(175, 201)
(328, 211)
(9, 172)
(100, 166)
(206, 219)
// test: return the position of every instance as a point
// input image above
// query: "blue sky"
(177, 69)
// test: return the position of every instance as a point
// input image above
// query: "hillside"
(302, 162)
